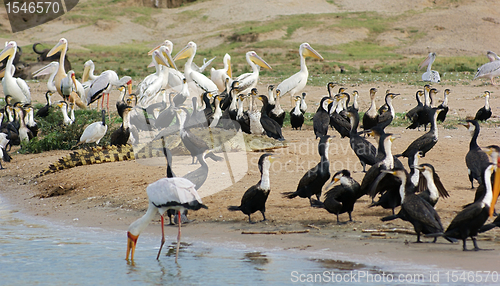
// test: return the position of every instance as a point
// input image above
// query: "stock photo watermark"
(25, 14)
(362, 276)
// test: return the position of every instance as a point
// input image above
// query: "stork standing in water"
(167, 193)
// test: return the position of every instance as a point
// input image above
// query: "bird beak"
(334, 180)
(73, 78)
(259, 61)
(184, 53)
(425, 62)
(271, 159)
(150, 53)
(160, 59)
(131, 243)
(7, 51)
(496, 189)
(392, 138)
(129, 86)
(229, 70)
(310, 52)
(168, 56)
(60, 45)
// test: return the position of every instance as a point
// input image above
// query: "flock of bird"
(223, 98)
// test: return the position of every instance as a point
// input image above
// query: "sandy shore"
(112, 195)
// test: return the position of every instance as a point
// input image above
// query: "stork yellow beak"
(496, 189)
(259, 61)
(129, 86)
(131, 243)
(60, 45)
(310, 52)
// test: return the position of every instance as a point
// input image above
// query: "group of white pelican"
(173, 193)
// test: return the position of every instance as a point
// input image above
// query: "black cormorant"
(425, 142)
(44, 111)
(370, 118)
(321, 118)
(121, 135)
(366, 152)
(341, 198)
(313, 180)
(430, 186)
(484, 112)
(296, 116)
(476, 159)
(271, 127)
(444, 106)
(255, 197)
(277, 113)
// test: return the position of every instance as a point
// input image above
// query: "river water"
(38, 252)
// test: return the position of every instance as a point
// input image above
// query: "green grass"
(54, 135)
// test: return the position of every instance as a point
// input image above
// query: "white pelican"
(150, 87)
(201, 82)
(13, 86)
(51, 70)
(298, 81)
(249, 80)
(62, 46)
(491, 69)
(95, 131)
(103, 84)
(167, 193)
(219, 76)
(430, 75)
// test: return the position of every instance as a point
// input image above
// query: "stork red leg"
(178, 235)
(162, 239)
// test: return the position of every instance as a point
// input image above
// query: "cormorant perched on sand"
(255, 197)
(484, 112)
(337, 121)
(271, 127)
(476, 159)
(296, 116)
(313, 180)
(366, 152)
(375, 181)
(194, 144)
(321, 118)
(341, 198)
(444, 106)
(469, 221)
(386, 117)
(425, 142)
(370, 118)
(415, 209)
(277, 113)
(430, 186)
(413, 113)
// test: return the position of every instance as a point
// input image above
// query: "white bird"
(200, 83)
(150, 87)
(95, 131)
(63, 105)
(24, 133)
(16, 87)
(51, 70)
(491, 69)
(3, 155)
(68, 84)
(249, 80)
(298, 81)
(88, 73)
(219, 76)
(167, 193)
(75, 97)
(103, 84)
(430, 75)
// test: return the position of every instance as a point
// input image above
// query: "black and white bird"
(341, 198)
(484, 112)
(296, 115)
(95, 131)
(167, 193)
(254, 199)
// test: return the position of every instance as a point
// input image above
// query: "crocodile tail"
(90, 156)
